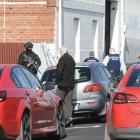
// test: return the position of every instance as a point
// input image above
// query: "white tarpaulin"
(48, 55)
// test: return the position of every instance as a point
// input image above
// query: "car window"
(19, 78)
(49, 76)
(16, 81)
(34, 82)
(1, 72)
(102, 73)
(82, 74)
(107, 72)
(134, 79)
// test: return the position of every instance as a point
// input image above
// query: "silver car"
(91, 88)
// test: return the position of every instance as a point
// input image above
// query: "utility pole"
(60, 24)
(123, 28)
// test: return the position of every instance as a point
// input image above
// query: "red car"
(123, 112)
(27, 109)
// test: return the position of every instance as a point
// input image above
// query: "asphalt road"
(84, 129)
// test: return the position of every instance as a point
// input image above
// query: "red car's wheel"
(25, 129)
(60, 122)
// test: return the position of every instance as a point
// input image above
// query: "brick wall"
(28, 20)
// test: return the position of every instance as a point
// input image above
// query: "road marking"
(84, 127)
(106, 137)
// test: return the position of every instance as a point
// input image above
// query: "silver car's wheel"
(25, 129)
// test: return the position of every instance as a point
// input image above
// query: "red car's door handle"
(27, 93)
(40, 94)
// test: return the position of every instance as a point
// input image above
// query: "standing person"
(91, 57)
(65, 82)
(29, 59)
(114, 62)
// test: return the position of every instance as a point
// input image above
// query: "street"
(84, 130)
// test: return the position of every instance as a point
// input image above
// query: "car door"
(44, 115)
(82, 79)
(103, 76)
(49, 77)
(21, 79)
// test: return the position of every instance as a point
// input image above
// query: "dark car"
(26, 108)
(91, 88)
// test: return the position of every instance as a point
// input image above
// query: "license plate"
(76, 107)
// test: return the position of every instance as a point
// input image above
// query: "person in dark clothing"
(65, 82)
(29, 59)
(114, 62)
(91, 57)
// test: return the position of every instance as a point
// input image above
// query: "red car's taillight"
(3, 95)
(121, 98)
(93, 88)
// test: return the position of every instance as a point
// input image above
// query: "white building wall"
(86, 11)
(125, 28)
(132, 21)
(114, 29)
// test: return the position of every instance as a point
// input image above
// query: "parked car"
(130, 64)
(27, 109)
(123, 111)
(91, 88)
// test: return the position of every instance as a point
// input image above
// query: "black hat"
(28, 45)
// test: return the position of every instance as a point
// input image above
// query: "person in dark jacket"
(114, 63)
(91, 57)
(29, 59)
(65, 82)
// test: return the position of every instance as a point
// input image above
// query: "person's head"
(28, 46)
(62, 51)
(91, 53)
(112, 51)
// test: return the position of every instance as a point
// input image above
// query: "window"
(134, 79)
(77, 39)
(34, 82)
(19, 78)
(82, 74)
(16, 81)
(107, 72)
(102, 73)
(49, 76)
(95, 36)
(1, 72)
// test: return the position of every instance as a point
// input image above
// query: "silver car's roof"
(89, 63)
(81, 64)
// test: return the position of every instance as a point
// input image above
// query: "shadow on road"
(43, 138)
(86, 120)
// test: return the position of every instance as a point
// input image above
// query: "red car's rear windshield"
(134, 79)
(0, 72)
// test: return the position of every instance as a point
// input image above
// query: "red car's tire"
(60, 122)
(25, 129)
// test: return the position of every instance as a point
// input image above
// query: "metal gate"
(9, 52)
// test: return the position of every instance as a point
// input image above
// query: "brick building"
(21, 21)
(79, 25)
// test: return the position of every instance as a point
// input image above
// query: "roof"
(7, 65)
(79, 64)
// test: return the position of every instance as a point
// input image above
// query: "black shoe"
(64, 136)
(69, 121)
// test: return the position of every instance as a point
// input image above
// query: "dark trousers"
(67, 102)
